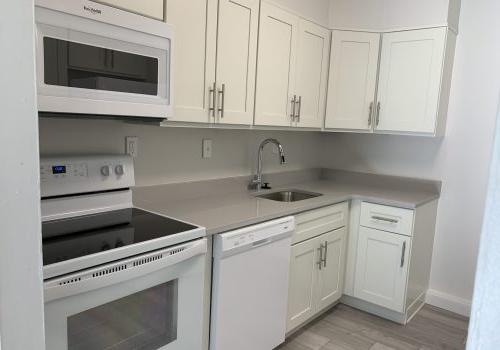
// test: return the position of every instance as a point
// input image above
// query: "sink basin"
(289, 196)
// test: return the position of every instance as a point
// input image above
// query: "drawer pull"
(403, 254)
(381, 218)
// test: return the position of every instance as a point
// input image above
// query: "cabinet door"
(410, 80)
(149, 8)
(195, 24)
(331, 275)
(303, 275)
(236, 60)
(276, 66)
(382, 268)
(312, 73)
(353, 80)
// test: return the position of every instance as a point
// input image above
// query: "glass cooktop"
(72, 238)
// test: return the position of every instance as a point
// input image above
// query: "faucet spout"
(256, 183)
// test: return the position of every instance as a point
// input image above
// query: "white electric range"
(116, 276)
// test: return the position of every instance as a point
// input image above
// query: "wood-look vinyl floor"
(345, 328)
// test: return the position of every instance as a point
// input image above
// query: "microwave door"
(75, 65)
(96, 68)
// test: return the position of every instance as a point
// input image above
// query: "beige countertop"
(226, 204)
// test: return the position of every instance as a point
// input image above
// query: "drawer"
(390, 219)
(316, 222)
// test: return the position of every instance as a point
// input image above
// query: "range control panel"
(84, 174)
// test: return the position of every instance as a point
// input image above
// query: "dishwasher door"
(250, 286)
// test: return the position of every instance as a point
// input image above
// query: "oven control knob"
(105, 170)
(119, 170)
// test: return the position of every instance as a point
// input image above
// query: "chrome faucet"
(256, 183)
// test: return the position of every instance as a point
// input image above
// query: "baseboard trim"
(448, 302)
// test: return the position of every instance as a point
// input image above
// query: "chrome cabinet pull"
(222, 93)
(403, 254)
(326, 254)
(378, 113)
(299, 109)
(294, 103)
(213, 100)
(381, 218)
(320, 262)
(370, 115)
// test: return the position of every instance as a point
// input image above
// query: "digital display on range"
(59, 169)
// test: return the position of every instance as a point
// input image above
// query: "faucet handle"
(266, 186)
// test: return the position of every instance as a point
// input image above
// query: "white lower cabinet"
(316, 276)
(389, 259)
(303, 265)
(316, 268)
(382, 268)
(331, 275)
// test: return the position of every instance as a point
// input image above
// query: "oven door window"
(146, 320)
(72, 64)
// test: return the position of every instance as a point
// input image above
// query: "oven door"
(89, 67)
(149, 302)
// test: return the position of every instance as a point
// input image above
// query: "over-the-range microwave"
(97, 60)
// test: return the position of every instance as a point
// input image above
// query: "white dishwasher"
(250, 286)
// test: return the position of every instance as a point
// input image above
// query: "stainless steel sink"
(289, 196)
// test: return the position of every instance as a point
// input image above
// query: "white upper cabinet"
(236, 60)
(195, 23)
(150, 8)
(215, 60)
(312, 74)
(411, 71)
(412, 88)
(353, 80)
(292, 70)
(276, 67)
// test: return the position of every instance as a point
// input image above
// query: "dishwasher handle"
(252, 237)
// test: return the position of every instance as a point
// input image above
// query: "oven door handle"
(127, 269)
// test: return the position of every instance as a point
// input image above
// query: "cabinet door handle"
(403, 254)
(326, 254)
(299, 109)
(378, 113)
(213, 100)
(294, 103)
(370, 114)
(381, 218)
(320, 262)
(222, 93)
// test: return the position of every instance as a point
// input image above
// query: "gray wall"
(168, 155)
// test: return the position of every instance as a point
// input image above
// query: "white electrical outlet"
(132, 146)
(207, 149)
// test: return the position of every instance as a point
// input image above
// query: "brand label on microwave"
(92, 10)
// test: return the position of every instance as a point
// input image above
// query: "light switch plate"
(207, 149)
(132, 146)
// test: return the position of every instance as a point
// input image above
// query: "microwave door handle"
(57, 289)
